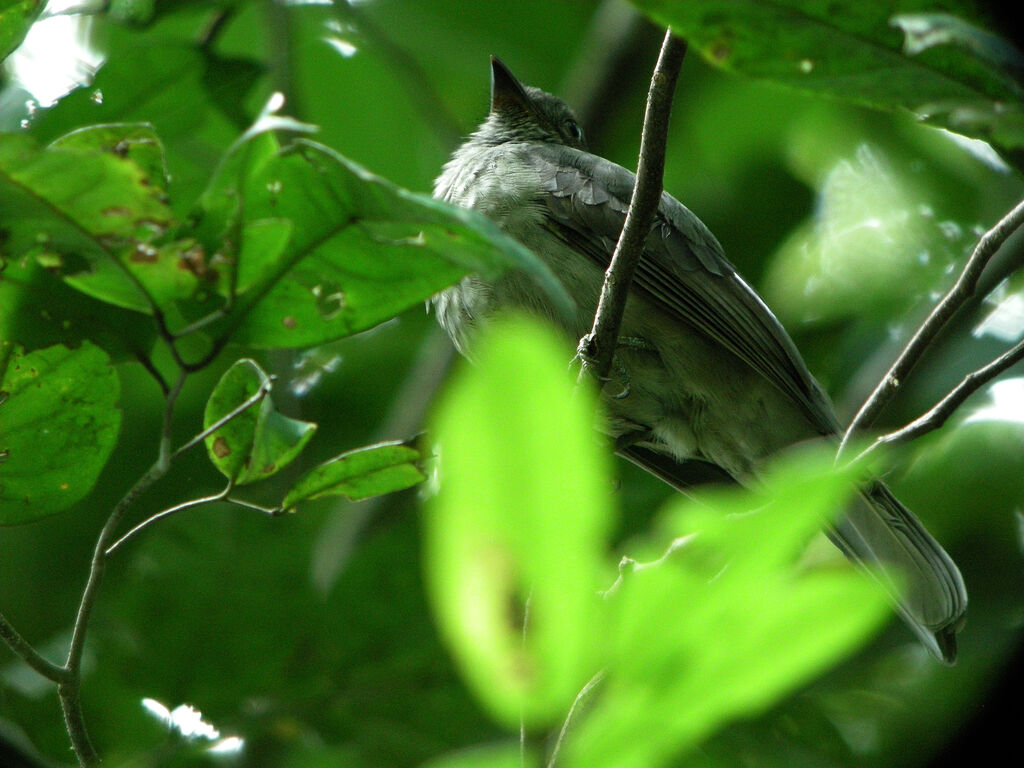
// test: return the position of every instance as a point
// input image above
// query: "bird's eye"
(573, 129)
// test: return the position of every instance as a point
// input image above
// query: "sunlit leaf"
(162, 76)
(857, 52)
(724, 622)
(258, 441)
(59, 421)
(516, 531)
(370, 471)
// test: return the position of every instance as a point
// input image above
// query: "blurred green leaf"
(359, 250)
(16, 18)
(259, 441)
(516, 532)
(723, 622)
(359, 474)
(498, 756)
(92, 208)
(856, 52)
(59, 421)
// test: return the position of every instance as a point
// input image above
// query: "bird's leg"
(628, 342)
(583, 352)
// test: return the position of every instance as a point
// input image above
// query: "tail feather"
(924, 582)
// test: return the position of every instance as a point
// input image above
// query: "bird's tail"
(881, 534)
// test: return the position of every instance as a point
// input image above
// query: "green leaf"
(360, 249)
(258, 441)
(490, 756)
(59, 421)
(857, 52)
(16, 17)
(359, 474)
(724, 621)
(38, 309)
(92, 208)
(517, 530)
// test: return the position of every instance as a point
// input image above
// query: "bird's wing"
(683, 268)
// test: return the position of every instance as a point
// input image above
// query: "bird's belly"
(698, 399)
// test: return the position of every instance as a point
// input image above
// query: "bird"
(709, 377)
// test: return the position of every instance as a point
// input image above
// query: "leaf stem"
(256, 397)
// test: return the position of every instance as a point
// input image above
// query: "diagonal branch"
(961, 291)
(598, 347)
(942, 410)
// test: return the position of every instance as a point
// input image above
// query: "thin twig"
(74, 719)
(24, 650)
(941, 411)
(272, 511)
(962, 290)
(598, 347)
(190, 504)
(214, 28)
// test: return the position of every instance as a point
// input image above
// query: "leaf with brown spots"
(257, 442)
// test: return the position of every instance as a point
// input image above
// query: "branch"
(71, 683)
(167, 513)
(598, 347)
(941, 411)
(961, 291)
(24, 650)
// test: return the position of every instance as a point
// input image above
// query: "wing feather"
(683, 269)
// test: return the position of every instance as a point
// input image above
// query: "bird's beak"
(507, 93)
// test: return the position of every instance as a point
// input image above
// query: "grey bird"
(708, 372)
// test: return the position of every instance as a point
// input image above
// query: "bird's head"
(523, 113)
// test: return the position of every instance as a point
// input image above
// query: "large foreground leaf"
(516, 532)
(91, 207)
(724, 622)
